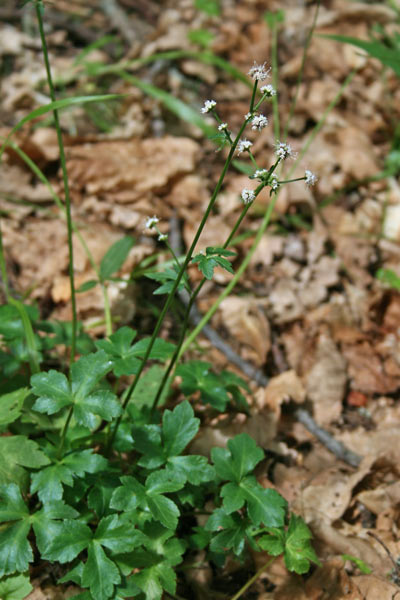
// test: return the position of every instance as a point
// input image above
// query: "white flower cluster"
(284, 150)
(247, 196)
(258, 122)
(223, 126)
(311, 179)
(260, 173)
(268, 90)
(151, 221)
(208, 106)
(259, 72)
(243, 145)
(274, 183)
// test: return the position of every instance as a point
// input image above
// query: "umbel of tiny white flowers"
(268, 90)
(223, 126)
(310, 178)
(259, 72)
(247, 196)
(243, 145)
(284, 150)
(208, 106)
(259, 122)
(151, 222)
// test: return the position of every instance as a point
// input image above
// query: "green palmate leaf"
(11, 405)
(15, 550)
(193, 468)
(56, 392)
(239, 459)
(115, 257)
(264, 505)
(53, 390)
(87, 372)
(196, 376)
(125, 357)
(48, 482)
(17, 452)
(132, 494)
(15, 587)
(232, 532)
(70, 538)
(47, 525)
(56, 105)
(118, 536)
(298, 550)
(100, 574)
(294, 543)
(213, 258)
(179, 428)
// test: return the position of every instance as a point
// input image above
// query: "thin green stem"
(301, 72)
(193, 297)
(179, 277)
(39, 14)
(265, 222)
(253, 579)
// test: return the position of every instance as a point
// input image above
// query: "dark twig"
(255, 374)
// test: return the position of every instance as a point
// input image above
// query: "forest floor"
(310, 312)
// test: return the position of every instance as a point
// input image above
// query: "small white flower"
(268, 90)
(248, 196)
(162, 237)
(284, 151)
(260, 173)
(259, 72)
(259, 122)
(274, 183)
(223, 126)
(311, 179)
(243, 145)
(247, 116)
(151, 221)
(208, 106)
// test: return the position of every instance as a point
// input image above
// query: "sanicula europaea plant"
(96, 480)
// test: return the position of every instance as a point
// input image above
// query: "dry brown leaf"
(328, 494)
(129, 171)
(373, 587)
(283, 387)
(326, 380)
(247, 323)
